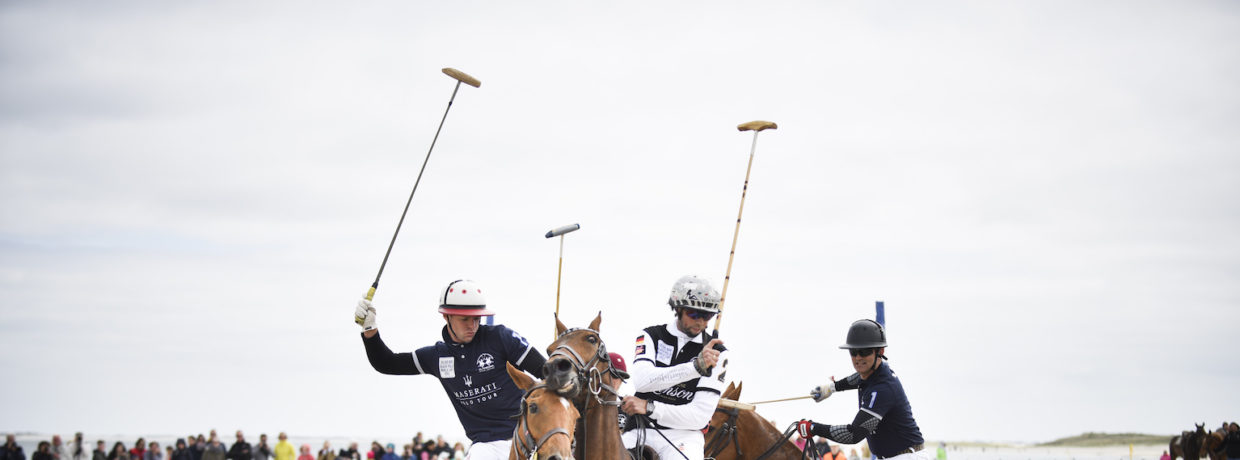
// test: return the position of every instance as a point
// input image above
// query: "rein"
(527, 446)
(728, 432)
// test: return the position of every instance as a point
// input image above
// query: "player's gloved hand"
(823, 391)
(805, 428)
(364, 315)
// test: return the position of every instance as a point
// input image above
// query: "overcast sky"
(1044, 193)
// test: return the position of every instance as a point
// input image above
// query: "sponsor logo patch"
(641, 350)
(446, 369)
(486, 362)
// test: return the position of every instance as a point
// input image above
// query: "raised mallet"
(460, 77)
(756, 127)
(560, 232)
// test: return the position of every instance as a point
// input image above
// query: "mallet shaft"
(782, 400)
(756, 127)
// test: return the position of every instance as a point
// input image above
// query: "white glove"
(823, 391)
(364, 315)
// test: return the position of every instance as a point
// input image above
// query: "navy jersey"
(882, 396)
(472, 374)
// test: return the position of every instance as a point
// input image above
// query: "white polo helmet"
(464, 298)
(694, 292)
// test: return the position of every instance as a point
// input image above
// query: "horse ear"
(559, 327)
(738, 390)
(597, 320)
(523, 381)
(728, 392)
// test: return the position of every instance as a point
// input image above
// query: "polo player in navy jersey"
(885, 417)
(469, 363)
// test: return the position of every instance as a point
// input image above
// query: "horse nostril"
(562, 365)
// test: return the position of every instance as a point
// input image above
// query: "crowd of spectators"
(200, 447)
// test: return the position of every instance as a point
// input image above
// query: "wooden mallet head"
(462, 77)
(756, 125)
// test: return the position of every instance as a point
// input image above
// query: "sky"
(1043, 193)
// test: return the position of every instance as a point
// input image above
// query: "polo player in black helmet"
(884, 418)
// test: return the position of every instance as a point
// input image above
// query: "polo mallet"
(779, 400)
(757, 127)
(460, 77)
(560, 232)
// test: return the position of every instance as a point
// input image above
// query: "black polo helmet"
(865, 333)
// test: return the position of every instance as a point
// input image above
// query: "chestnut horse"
(544, 414)
(735, 434)
(579, 368)
(1213, 445)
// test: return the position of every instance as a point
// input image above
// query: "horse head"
(721, 430)
(544, 414)
(578, 360)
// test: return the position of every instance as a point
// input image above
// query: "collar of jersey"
(671, 327)
(448, 339)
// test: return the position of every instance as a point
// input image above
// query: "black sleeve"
(533, 363)
(862, 426)
(383, 360)
(851, 382)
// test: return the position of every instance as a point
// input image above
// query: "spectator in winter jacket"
(139, 450)
(326, 452)
(305, 453)
(181, 452)
(215, 449)
(43, 452)
(153, 452)
(12, 450)
(284, 450)
(118, 452)
(100, 452)
(198, 447)
(240, 450)
(77, 448)
(348, 454)
(262, 450)
(390, 453)
(59, 452)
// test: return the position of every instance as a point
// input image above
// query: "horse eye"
(592, 339)
(533, 408)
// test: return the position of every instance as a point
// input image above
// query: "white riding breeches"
(494, 450)
(684, 443)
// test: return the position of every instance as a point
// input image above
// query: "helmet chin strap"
(451, 332)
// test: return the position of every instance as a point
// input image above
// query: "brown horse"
(735, 434)
(578, 367)
(1188, 444)
(544, 414)
(1213, 446)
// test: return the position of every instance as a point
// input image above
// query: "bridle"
(588, 373)
(725, 434)
(527, 446)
